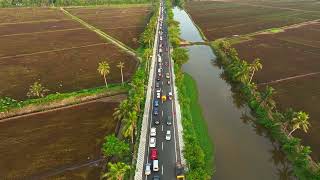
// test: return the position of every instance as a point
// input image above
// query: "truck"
(179, 171)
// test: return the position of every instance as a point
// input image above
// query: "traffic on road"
(162, 151)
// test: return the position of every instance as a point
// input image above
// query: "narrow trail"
(100, 33)
(60, 170)
(30, 22)
(289, 78)
(41, 32)
(56, 50)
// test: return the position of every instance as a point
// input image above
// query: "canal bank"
(242, 149)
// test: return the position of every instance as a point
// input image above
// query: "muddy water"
(242, 149)
(64, 144)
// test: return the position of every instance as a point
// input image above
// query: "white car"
(168, 135)
(148, 169)
(152, 142)
(170, 95)
(158, 95)
(153, 132)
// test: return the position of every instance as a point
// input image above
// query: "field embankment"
(123, 23)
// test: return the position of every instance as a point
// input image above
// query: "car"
(164, 98)
(156, 103)
(148, 169)
(168, 135)
(159, 74)
(156, 177)
(167, 75)
(169, 120)
(156, 121)
(152, 142)
(158, 90)
(154, 154)
(157, 84)
(159, 59)
(170, 95)
(158, 78)
(158, 95)
(168, 82)
(155, 111)
(155, 165)
(153, 132)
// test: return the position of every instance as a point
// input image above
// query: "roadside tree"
(104, 70)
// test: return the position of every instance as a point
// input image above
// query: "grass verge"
(198, 120)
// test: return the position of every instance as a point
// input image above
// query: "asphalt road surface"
(168, 153)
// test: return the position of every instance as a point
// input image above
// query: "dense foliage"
(24, 3)
(197, 153)
(279, 124)
(115, 147)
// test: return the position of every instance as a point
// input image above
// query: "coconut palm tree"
(266, 97)
(255, 66)
(130, 125)
(37, 90)
(300, 121)
(116, 171)
(121, 66)
(122, 111)
(104, 70)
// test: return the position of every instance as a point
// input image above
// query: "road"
(168, 150)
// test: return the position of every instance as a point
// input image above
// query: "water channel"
(242, 149)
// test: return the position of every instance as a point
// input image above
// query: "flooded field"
(63, 143)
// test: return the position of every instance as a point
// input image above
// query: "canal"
(243, 150)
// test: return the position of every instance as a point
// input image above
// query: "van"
(155, 166)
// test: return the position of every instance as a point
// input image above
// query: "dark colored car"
(155, 111)
(157, 84)
(169, 120)
(156, 103)
(158, 78)
(156, 177)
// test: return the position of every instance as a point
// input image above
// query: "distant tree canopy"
(12, 3)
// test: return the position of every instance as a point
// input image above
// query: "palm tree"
(104, 70)
(37, 90)
(266, 97)
(255, 66)
(121, 66)
(146, 55)
(130, 125)
(122, 111)
(300, 121)
(116, 171)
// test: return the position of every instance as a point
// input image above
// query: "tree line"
(123, 152)
(280, 124)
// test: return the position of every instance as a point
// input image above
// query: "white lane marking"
(162, 169)
(162, 113)
(162, 127)
(162, 146)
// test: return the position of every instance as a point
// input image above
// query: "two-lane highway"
(162, 113)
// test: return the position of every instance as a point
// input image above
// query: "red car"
(154, 154)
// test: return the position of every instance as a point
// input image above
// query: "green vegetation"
(279, 124)
(37, 90)
(115, 147)
(198, 121)
(120, 65)
(7, 104)
(198, 147)
(26, 3)
(116, 171)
